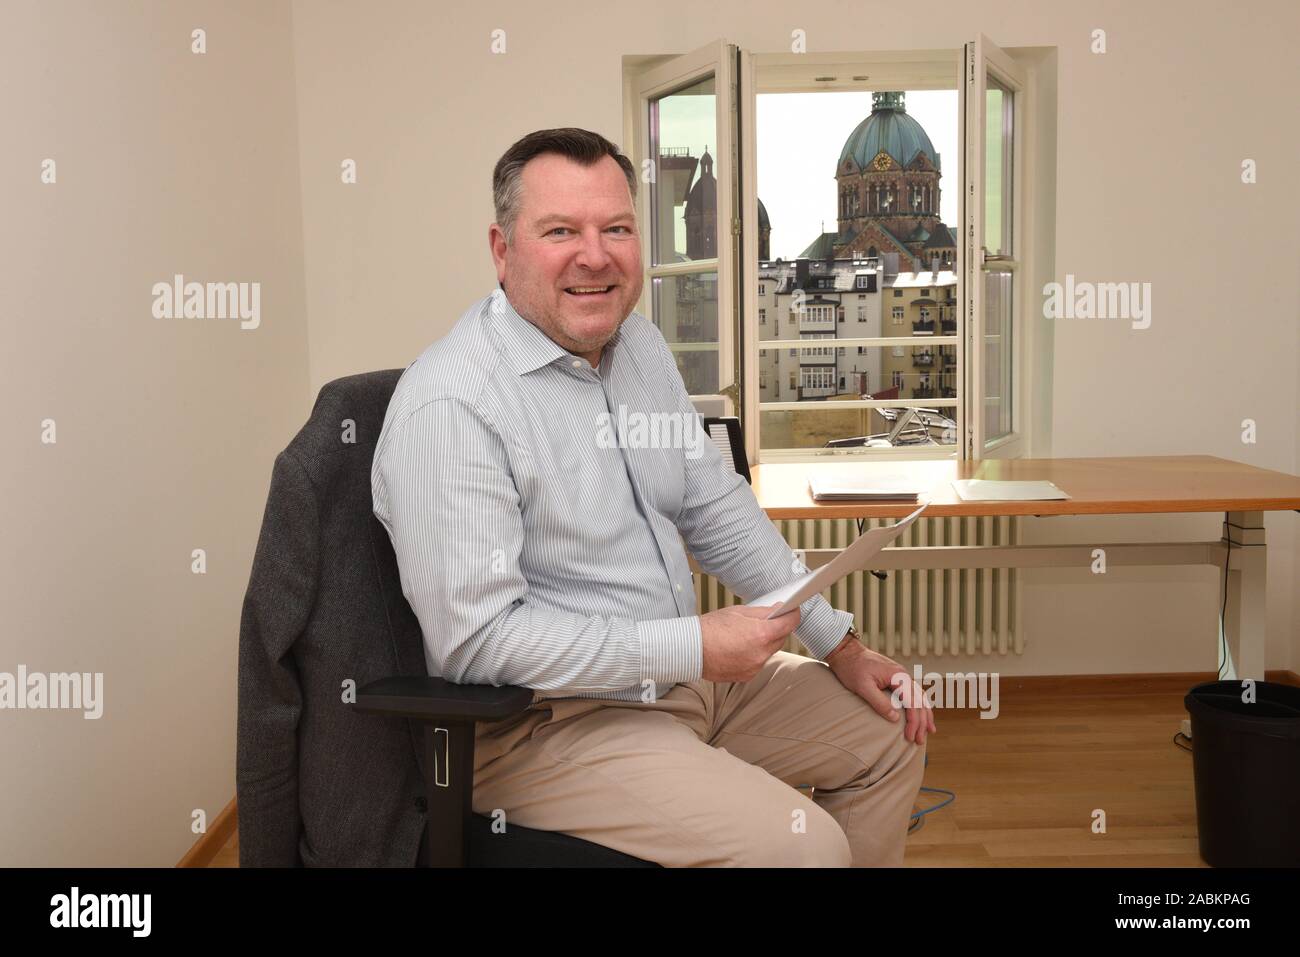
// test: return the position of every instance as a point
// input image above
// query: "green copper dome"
(890, 129)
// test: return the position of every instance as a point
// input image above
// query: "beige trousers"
(707, 775)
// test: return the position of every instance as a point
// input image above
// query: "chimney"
(801, 273)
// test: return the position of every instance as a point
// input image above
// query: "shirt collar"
(527, 347)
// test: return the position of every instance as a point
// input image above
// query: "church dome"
(888, 129)
(763, 221)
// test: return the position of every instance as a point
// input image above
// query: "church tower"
(887, 179)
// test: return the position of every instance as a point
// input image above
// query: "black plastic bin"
(1246, 762)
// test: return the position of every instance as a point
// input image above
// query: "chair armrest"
(436, 699)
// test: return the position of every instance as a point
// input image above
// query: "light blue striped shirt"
(541, 511)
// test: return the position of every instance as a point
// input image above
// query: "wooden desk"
(1099, 486)
(1118, 486)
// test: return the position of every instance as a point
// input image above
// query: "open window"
(992, 283)
(872, 313)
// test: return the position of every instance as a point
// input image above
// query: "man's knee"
(907, 759)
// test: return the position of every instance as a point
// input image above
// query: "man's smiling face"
(576, 229)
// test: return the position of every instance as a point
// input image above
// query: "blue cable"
(917, 816)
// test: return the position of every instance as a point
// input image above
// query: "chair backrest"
(319, 783)
(724, 432)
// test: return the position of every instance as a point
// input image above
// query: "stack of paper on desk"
(854, 558)
(832, 487)
(987, 490)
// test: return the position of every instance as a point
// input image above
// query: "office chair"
(327, 781)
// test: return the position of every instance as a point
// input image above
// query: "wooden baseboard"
(1085, 685)
(206, 847)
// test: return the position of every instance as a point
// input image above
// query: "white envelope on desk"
(988, 490)
(854, 558)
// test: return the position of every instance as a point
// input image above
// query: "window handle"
(1003, 261)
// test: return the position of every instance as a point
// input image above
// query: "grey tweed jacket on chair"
(318, 783)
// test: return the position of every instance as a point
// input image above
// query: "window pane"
(997, 168)
(683, 196)
(855, 241)
(820, 378)
(824, 426)
(997, 355)
(685, 308)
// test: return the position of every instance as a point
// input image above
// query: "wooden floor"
(1028, 782)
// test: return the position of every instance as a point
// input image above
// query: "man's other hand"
(875, 678)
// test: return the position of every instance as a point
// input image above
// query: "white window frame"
(750, 74)
(982, 58)
(659, 77)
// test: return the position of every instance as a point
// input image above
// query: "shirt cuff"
(821, 627)
(672, 650)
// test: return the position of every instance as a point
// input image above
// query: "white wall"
(167, 162)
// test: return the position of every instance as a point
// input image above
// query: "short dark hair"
(582, 146)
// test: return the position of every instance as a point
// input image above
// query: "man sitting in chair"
(541, 528)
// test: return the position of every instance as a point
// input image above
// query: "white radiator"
(913, 613)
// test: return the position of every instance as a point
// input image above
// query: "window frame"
(983, 60)
(755, 73)
(657, 77)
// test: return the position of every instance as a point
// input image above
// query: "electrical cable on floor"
(918, 817)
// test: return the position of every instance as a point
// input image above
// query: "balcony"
(948, 327)
(811, 324)
(924, 392)
(925, 359)
(923, 327)
(816, 357)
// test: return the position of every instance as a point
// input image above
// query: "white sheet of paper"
(854, 558)
(988, 490)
